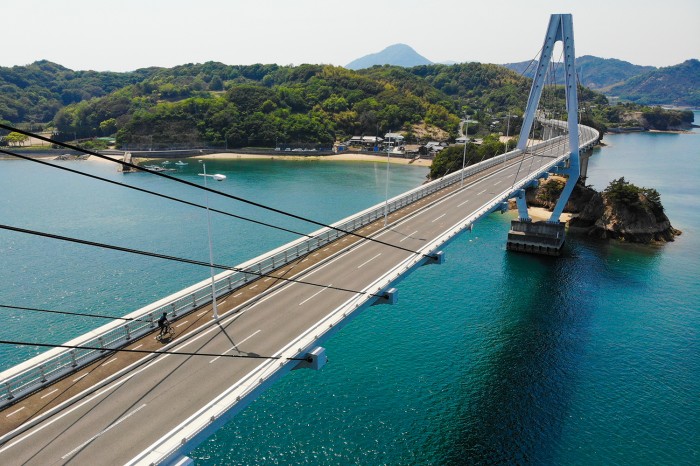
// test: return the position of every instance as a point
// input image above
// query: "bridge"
(116, 396)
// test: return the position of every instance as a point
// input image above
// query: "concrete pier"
(536, 237)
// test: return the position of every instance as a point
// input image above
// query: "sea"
(493, 357)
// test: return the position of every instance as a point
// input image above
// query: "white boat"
(181, 163)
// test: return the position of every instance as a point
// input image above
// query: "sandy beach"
(537, 213)
(344, 157)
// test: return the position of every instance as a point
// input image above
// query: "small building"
(393, 139)
(434, 146)
(365, 141)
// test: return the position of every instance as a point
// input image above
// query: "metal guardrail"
(54, 364)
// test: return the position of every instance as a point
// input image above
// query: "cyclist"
(163, 323)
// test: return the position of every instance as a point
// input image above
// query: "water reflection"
(516, 403)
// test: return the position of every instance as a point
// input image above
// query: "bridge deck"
(156, 396)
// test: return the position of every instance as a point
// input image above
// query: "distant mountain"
(397, 54)
(594, 72)
(672, 85)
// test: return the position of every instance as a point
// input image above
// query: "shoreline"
(348, 157)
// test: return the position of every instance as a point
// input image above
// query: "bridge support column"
(536, 237)
(522, 206)
(548, 237)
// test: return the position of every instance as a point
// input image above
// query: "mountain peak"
(397, 54)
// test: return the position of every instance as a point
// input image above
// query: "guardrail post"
(56, 365)
(9, 390)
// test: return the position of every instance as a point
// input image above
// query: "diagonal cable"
(125, 350)
(177, 259)
(213, 191)
(165, 196)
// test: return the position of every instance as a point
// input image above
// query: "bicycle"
(167, 334)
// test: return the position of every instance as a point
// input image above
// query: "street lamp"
(507, 139)
(217, 177)
(386, 189)
(466, 140)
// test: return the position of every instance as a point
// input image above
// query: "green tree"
(450, 159)
(216, 84)
(16, 139)
(108, 126)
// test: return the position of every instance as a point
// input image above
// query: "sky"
(123, 35)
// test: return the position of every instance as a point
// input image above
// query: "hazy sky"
(122, 35)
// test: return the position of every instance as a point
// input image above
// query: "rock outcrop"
(635, 216)
(604, 217)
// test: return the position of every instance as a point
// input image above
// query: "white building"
(393, 139)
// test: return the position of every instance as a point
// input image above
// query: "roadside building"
(365, 141)
(393, 140)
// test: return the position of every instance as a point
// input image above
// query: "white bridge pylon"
(560, 29)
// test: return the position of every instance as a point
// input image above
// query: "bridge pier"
(548, 237)
(536, 237)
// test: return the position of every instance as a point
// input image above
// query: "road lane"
(129, 414)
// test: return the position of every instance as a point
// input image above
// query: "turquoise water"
(493, 357)
(49, 274)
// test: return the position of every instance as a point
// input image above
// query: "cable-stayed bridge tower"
(548, 237)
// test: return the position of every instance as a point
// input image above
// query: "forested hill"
(262, 105)
(259, 105)
(645, 85)
(673, 85)
(594, 72)
(34, 93)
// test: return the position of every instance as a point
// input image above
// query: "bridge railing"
(58, 362)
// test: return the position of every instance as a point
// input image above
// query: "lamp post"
(507, 139)
(217, 177)
(466, 140)
(386, 189)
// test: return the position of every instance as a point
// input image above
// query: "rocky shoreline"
(600, 215)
